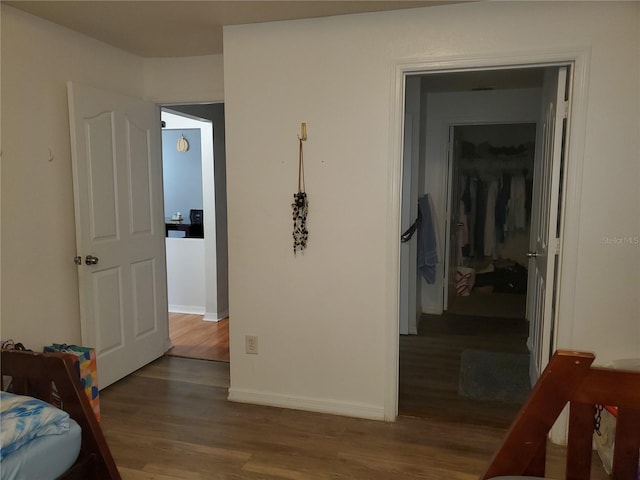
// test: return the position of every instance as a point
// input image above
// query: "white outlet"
(251, 344)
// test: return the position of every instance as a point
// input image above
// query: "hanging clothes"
(490, 219)
(427, 246)
(473, 212)
(501, 206)
(516, 210)
(463, 227)
(481, 212)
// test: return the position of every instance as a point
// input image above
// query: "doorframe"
(169, 104)
(205, 127)
(451, 123)
(579, 59)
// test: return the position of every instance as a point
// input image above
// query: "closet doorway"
(490, 219)
(467, 134)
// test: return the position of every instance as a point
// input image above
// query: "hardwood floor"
(430, 367)
(192, 337)
(171, 420)
(496, 304)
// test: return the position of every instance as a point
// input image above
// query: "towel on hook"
(427, 247)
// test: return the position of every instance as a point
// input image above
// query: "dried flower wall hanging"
(300, 208)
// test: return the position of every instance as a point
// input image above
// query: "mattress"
(44, 458)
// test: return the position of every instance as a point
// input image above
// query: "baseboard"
(215, 317)
(333, 407)
(432, 310)
(190, 309)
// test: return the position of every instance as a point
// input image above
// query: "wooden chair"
(34, 374)
(569, 377)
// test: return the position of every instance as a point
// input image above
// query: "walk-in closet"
(490, 218)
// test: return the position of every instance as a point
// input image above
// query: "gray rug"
(494, 376)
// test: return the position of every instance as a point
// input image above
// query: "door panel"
(117, 172)
(543, 244)
(143, 279)
(453, 211)
(407, 261)
(140, 175)
(101, 168)
(410, 309)
(107, 309)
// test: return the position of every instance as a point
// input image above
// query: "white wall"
(184, 79)
(40, 301)
(186, 275)
(450, 108)
(323, 317)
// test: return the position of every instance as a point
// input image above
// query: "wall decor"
(300, 203)
(182, 145)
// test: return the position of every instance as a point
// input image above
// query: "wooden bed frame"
(35, 374)
(570, 378)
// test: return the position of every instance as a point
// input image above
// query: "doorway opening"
(490, 218)
(195, 219)
(475, 151)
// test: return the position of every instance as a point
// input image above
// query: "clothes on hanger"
(427, 246)
(495, 206)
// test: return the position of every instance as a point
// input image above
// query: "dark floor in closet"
(430, 367)
(496, 304)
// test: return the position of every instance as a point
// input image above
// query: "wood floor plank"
(163, 474)
(169, 420)
(193, 337)
(217, 375)
(151, 422)
(430, 367)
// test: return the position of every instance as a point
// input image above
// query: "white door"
(117, 181)
(409, 296)
(454, 227)
(544, 239)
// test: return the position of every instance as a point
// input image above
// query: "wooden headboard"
(35, 374)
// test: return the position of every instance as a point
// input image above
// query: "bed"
(72, 445)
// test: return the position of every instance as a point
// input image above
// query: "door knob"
(91, 260)
(532, 254)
